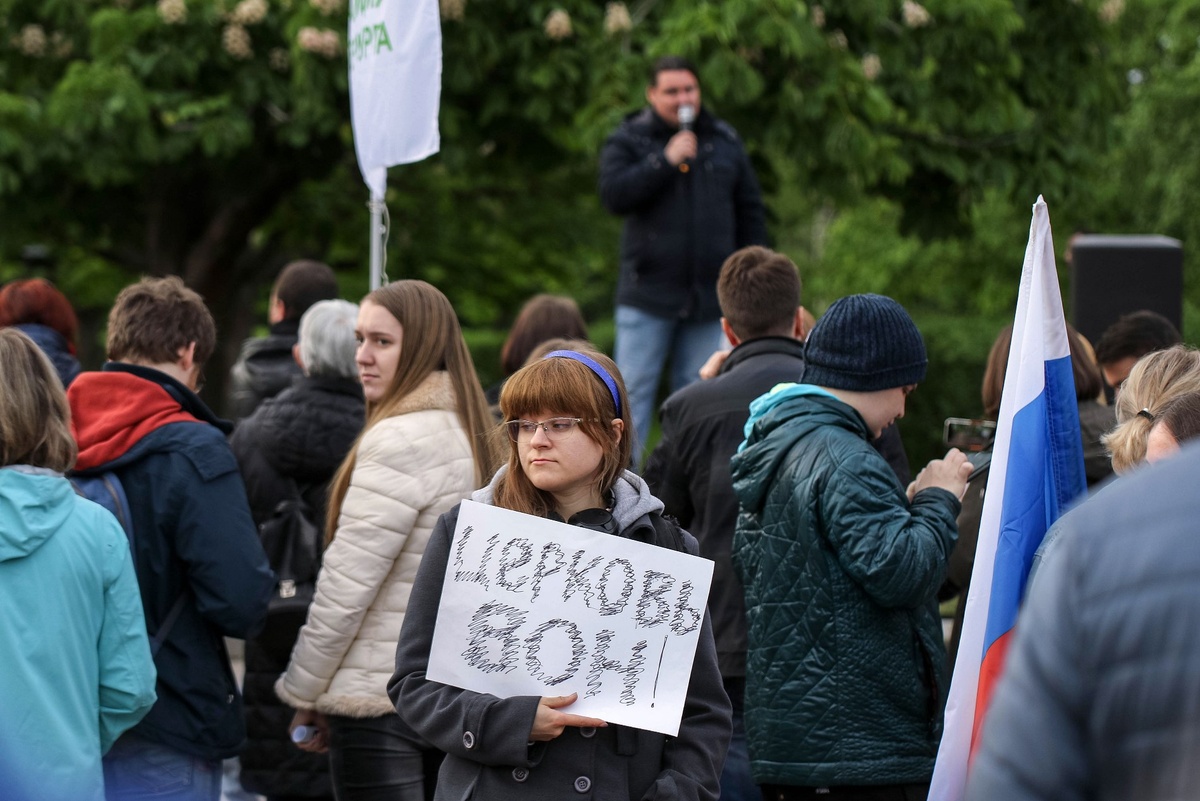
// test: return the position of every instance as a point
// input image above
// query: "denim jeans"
(736, 782)
(136, 769)
(380, 759)
(644, 342)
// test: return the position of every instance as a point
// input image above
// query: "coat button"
(468, 740)
(520, 774)
(583, 784)
(587, 731)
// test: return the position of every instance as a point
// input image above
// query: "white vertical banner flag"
(395, 84)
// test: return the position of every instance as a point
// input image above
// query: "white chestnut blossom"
(249, 12)
(236, 41)
(1111, 10)
(558, 24)
(322, 42)
(328, 7)
(617, 19)
(915, 15)
(453, 10)
(32, 41)
(172, 12)
(871, 66)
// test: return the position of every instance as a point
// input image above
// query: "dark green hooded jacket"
(845, 667)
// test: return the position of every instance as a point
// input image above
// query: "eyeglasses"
(555, 427)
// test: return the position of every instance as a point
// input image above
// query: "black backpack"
(106, 490)
(291, 539)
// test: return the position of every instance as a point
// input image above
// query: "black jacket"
(679, 226)
(194, 538)
(264, 368)
(689, 470)
(300, 435)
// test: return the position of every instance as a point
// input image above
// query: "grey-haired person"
(292, 445)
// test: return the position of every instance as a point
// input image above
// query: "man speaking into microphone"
(681, 179)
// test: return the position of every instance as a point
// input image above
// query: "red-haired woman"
(37, 308)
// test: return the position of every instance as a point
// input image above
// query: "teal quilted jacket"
(844, 678)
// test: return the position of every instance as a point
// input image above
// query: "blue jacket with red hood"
(194, 537)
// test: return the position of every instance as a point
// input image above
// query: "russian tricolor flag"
(1036, 471)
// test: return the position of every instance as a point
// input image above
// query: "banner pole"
(376, 206)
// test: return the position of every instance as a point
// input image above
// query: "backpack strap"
(119, 507)
(160, 636)
(667, 533)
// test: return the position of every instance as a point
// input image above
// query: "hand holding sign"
(550, 723)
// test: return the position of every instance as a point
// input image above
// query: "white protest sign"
(534, 607)
(395, 84)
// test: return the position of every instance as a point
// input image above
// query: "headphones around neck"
(594, 519)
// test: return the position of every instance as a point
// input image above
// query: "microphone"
(687, 115)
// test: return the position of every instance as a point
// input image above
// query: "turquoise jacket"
(75, 666)
(845, 666)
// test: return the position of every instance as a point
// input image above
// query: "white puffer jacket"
(410, 469)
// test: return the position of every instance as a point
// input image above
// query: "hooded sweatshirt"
(76, 662)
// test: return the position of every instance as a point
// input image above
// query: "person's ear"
(185, 357)
(618, 429)
(733, 338)
(804, 323)
(276, 311)
(296, 356)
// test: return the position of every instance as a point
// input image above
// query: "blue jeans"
(736, 782)
(643, 343)
(136, 769)
(380, 759)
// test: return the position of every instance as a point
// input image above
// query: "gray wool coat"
(486, 739)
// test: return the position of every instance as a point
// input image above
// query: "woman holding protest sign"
(424, 448)
(568, 429)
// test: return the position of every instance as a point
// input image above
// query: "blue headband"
(595, 367)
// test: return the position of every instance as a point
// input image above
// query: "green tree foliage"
(211, 138)
(1146, 183)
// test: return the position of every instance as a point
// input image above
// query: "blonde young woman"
(1155, 380)
(423, 449)
(568, 435)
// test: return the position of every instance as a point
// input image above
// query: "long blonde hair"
(433, 341)
(1155, 380)
(568, 386)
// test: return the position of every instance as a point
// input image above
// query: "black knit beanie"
(864, 343)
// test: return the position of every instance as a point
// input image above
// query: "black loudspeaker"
(1115, 275)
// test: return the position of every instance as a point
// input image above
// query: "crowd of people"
(322, 528)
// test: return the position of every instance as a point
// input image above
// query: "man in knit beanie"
(841, 566)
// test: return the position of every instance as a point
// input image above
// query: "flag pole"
(378, 235)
